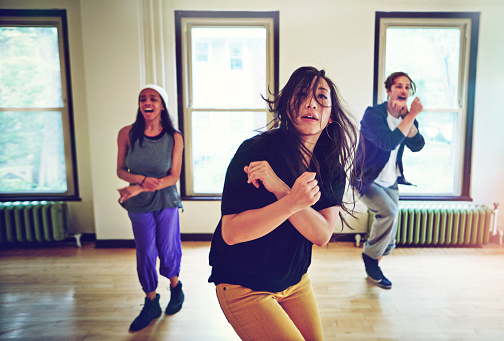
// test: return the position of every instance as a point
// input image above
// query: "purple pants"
(157, 234)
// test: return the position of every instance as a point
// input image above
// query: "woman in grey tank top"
(150, 160)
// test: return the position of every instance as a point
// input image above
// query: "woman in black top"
(282, 194)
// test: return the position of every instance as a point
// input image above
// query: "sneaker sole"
(378, 283)
(154, 319)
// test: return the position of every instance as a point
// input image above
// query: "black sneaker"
(150, 311)
(374, 272)
(382, 283)
(176, 299)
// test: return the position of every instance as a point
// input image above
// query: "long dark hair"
(340, 136)
(138, 127)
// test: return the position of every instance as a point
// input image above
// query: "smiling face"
(314, 112)
(150, 104)
(400, 89)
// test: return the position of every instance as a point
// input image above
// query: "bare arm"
(316, 226)
(141, 183)
(122, 171)
(253, 224)
(293, 204)
(122, 147)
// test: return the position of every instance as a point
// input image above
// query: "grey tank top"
(153, 159)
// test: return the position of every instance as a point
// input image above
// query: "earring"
(327, 132)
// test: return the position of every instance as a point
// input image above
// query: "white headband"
(159, 90)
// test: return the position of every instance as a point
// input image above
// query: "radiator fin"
(419, 225)
(34, 221)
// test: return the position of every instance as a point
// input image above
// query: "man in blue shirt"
(385, 129)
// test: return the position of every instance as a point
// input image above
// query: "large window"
(438, 51)
(37, 159)
(226, 63)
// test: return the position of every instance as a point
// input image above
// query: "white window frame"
(468, 24)
(189, 20)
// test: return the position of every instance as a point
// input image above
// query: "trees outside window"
(37, 159)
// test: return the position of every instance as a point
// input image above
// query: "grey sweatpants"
(384, 203)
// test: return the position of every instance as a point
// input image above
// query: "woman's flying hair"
(340, 136)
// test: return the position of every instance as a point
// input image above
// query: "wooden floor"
(68, 293)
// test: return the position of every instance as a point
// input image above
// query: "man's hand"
(416, 107)
(397, 108)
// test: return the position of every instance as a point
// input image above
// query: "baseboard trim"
(344, 237)
(194, 237)
(115, 244)
(130, 243)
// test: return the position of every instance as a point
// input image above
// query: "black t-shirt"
(279, 259)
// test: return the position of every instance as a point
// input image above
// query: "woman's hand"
(305, 192)
(152, 184)
(256, 223)
(129, 192)
(260, 172)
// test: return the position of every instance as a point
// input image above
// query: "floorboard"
(67, 293)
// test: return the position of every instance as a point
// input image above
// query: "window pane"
(439, 51)
(232, 74)
(435, 169)
(216, 136)
(32, 153)
(30, 68)
(431, 57)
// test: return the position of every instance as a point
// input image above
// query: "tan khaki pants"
(291, 314)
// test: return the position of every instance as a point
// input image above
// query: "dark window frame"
(471, 90)
(74, 192)
(179, 15)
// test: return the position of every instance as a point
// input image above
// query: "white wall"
(338, 35)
